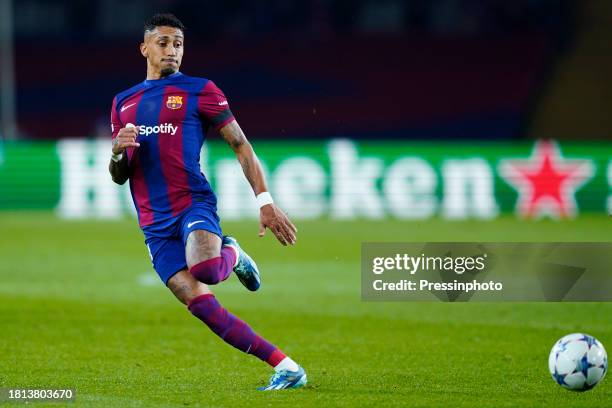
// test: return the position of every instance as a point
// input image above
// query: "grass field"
(81, 307)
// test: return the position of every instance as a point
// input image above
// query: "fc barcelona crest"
(174, 102)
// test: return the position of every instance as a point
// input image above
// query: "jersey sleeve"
(213, 106)
(115, 123)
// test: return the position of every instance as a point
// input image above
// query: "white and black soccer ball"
(578, 362)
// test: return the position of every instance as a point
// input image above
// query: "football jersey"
(173, 115)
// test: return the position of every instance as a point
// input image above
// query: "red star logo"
(546, 182)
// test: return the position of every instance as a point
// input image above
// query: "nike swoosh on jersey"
(222, 103)
(125, 107)
(191, 224)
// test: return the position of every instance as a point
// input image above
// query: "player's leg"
(203, 246)
(207, 261)
(210, 259)
(202, 303)
(186, 288)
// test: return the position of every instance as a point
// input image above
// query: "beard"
(167, 71)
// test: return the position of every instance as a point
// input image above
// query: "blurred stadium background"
(393, 120)
(451, 86)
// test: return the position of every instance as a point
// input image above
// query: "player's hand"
(125, 138)
(275, 219)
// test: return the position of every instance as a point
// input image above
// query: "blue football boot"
(245, 268)
(286, 379)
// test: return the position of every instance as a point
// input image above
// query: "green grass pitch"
(81, 307)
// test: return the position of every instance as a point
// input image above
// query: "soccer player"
(158, 128)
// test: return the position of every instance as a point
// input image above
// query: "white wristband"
(264, 199)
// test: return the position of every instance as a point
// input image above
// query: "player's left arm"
(271, 216)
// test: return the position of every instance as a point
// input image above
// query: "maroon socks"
(230, 328)
(215, 270)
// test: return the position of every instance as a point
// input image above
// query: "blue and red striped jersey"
(173, 115)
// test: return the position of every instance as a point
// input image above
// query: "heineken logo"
(343, 179)
(546, 182)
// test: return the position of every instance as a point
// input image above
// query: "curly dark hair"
(163, 19)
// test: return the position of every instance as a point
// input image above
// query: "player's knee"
(207, 271)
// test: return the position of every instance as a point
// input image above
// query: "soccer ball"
(578, 362)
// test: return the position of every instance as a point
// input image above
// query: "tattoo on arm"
(234, 136)
(246, 168)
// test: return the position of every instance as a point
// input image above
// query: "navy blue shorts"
(166, 240)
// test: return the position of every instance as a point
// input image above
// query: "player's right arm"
(118, 166)
(123, 137)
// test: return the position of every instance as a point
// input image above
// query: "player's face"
(163, 49)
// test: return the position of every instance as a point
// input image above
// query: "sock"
(217, 269)
(233, 330)
(286, 364)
